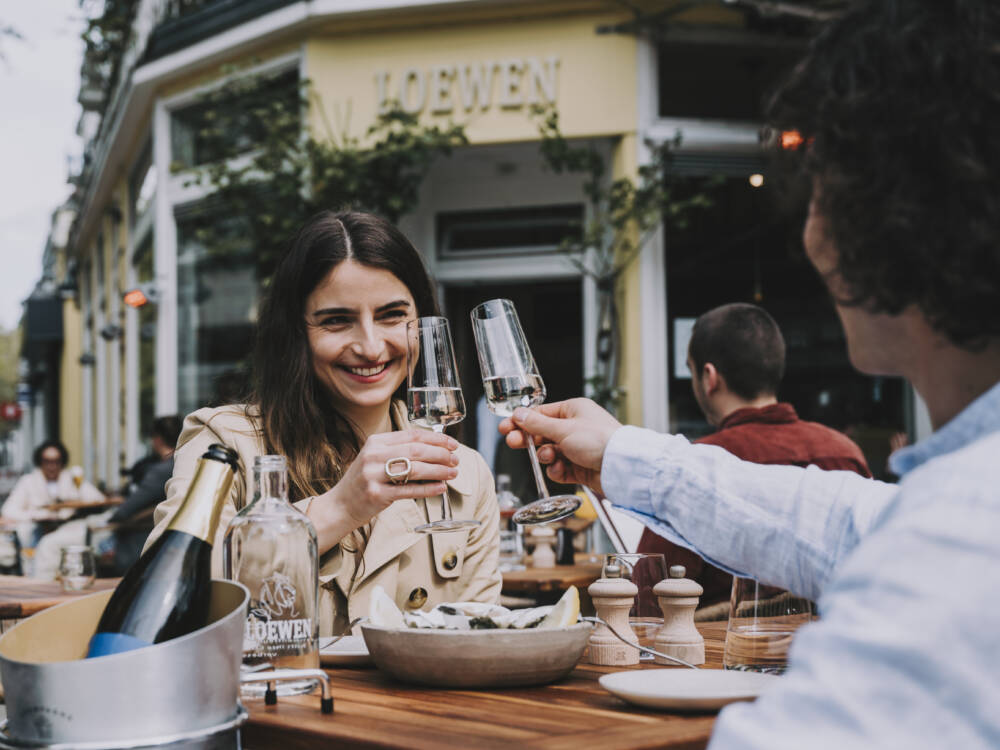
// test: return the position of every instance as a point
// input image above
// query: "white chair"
(623, 531)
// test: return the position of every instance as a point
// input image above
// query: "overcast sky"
(39, 78)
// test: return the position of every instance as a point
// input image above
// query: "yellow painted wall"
(625, 163)
(596, 85)
(70, 377)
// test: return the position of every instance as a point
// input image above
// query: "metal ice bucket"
(174, 691)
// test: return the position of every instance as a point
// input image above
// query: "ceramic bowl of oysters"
(475, 645)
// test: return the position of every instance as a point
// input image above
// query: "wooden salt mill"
(678, 598)
(544, 555)
(613, 597)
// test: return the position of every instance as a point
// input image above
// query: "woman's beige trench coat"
(417, 570)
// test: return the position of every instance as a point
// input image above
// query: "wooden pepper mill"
(678, 598)
(613, 597)
(544, 555)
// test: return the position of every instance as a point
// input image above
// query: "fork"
(347, 631)
(623, 639)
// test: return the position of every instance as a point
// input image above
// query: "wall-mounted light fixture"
(110, 332)
(143, 294)
(87, 359)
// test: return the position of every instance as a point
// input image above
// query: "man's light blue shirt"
(907, 578)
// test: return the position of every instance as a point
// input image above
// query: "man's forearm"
(784, 525)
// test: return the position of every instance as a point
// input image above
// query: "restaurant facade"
(489, 216)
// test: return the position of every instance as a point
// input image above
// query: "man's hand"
(572, 436)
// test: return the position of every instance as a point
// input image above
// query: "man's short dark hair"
(36, 457)
(167, 428)
(898, 105)
(745, 345)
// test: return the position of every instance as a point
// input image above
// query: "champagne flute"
(511, 379)
(433, 395)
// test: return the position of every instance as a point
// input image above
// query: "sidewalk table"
(546, 585)
(83, 505)
(557, 578)
(22, 597)
(373, 711)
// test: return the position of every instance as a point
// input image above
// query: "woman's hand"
(366, 490)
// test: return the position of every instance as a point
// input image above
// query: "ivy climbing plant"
(623, 215)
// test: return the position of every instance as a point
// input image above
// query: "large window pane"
(505, 231)
(216, 298)
(743, 249)
(720, 80)
(221, 126)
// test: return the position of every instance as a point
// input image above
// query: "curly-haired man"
(898, 103)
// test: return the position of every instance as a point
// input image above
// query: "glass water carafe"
(270, 547)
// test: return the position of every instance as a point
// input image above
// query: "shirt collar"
(772, 413)
(979, 418)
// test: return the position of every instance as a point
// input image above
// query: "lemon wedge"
(565, 612)
(383, 612)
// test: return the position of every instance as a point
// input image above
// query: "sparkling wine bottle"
(270, 547)
(166, 593)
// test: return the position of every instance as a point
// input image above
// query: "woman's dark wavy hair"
(899, 104)
(297, 418)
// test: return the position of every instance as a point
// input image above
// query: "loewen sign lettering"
(510, 83)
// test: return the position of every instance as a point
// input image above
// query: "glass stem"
(543, 491)
(445, 503)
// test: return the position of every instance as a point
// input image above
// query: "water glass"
(76, 567)
(762, 621)
(511, 551)
(10, 553)
(645, 570)
(434, 396)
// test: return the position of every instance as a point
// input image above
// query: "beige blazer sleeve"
(229, 426)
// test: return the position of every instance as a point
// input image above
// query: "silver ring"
(398, 476)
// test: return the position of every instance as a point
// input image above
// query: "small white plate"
(686, 689)
(349, 651)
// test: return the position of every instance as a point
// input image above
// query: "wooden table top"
(23, 597)
(83, 505)
(372, 711)
(557, 578)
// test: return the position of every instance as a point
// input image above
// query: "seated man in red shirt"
(737, 359)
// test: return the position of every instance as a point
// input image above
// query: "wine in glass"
(433, 395)
(511, 379)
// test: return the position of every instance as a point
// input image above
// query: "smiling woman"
(356, 321)
(330, 371)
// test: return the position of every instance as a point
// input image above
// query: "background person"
(50, 482)
(330, 379)
(737, 360)
(897, 101)
(133, 519)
